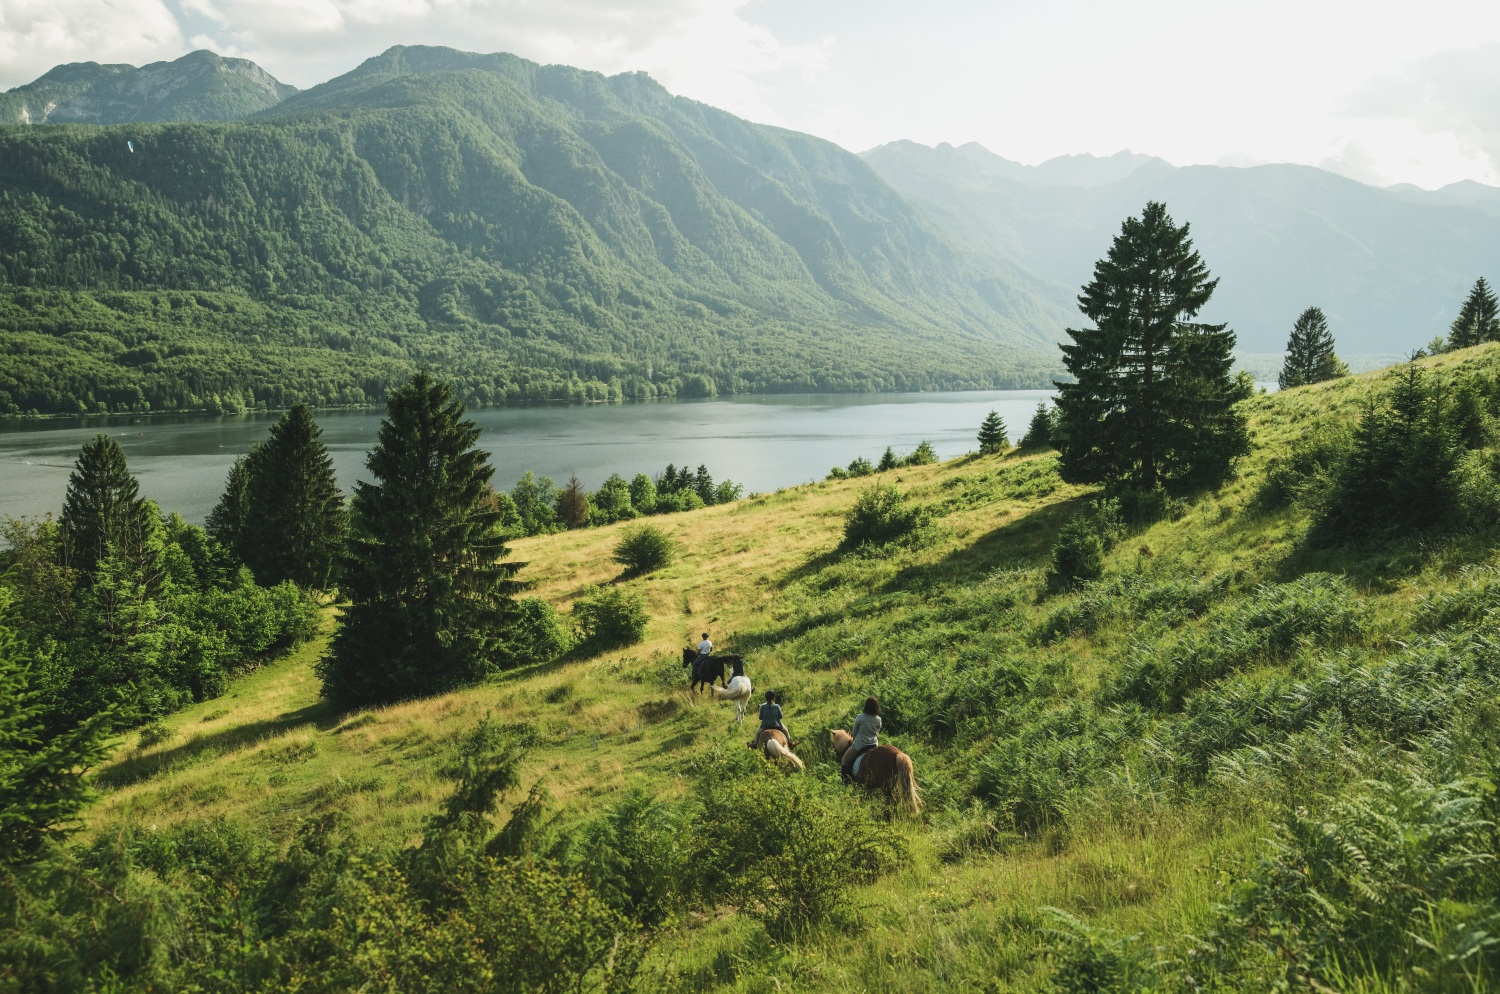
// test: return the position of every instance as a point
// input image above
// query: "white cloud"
(36, 35)
(1448, 102)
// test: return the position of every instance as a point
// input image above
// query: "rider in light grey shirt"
(866, 732)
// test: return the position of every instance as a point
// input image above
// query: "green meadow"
(1240, 759)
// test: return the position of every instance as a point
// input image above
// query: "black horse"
(711, 669)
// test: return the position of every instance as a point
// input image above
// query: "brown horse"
(772, 742)
(885, 767)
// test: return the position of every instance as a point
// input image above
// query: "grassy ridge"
(1121, 753)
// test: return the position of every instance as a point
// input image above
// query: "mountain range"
(197, 235)
(533, 231)
(1389, 267)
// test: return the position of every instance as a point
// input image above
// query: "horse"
(772, 742)
(738, 690)
(709, 670)
(885, 767)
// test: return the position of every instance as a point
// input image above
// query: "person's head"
(770, 697)
(705, 634)
(872, 706)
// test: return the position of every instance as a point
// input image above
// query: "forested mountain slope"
(531, 231)
(1388, 267)
(200, 86)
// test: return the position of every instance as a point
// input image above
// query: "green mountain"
(532, 232)
(1388, 267)
(200, 86)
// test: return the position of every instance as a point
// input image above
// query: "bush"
(538, 634)
(803, 841)
(880, 515)
(922, 455)
(611, 617)
(644, 549)
(1078, 553)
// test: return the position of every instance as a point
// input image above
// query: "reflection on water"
(762, 442)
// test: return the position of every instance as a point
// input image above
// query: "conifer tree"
(703, 485)
(1478, 319)
(992, 435)
(293, 521)
(226, 522)
(1039, 431)
(1153, 398)
(42, 785)
(103, 509)
(1309, 352)
(573, 504)
(888, 460)
(430, 593)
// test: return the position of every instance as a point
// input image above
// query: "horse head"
(840, 739)
(688, 655)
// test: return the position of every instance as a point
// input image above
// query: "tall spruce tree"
(1309, 352)
(1153, 399)
(1478, 319)
(430, 593)
(293, 517)
(1039, 431)
(103, 510)
(227, 521)
(992, 435)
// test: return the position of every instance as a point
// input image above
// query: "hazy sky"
(1383, 93)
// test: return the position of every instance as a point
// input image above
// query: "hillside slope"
(1388, 267)
(536, 232)
(1121, 752)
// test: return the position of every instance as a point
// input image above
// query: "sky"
(1383, 93)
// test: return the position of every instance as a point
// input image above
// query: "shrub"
(611, 617)
(537, 634)
(644, 549)
(880, 515)
(922, 455)
(802, 839)
(1078, 553)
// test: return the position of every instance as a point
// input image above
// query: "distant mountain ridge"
(200, 86)
(536, 232)
(1389, 267)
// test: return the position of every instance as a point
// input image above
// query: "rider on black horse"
(705, 649)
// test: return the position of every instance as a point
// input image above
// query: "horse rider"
(866, 732)
(770, 717)
(705, 649)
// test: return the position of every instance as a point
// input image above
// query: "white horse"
(738, 690)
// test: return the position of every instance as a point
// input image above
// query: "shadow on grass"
(1025, 541)
(136, 768)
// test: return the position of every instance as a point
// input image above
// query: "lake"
(764, 443)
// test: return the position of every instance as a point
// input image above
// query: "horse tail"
(776, 750)
(907, 795)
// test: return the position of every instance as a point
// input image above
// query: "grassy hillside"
(535, 232)
(1125, 753)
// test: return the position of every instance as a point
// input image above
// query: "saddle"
(859, 759)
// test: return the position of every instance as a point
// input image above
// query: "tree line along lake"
(762, 442)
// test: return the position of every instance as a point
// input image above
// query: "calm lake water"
(763, 443)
